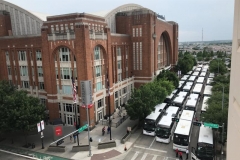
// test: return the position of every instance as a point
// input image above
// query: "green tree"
(180, 55)
(144, 99)
(216, 66)
(186, 63)
(19, 112)
(170, 76)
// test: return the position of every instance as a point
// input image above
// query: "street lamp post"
(222, 118)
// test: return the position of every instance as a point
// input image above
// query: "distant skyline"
(215, 17)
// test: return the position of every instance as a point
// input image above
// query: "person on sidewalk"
(176, 152)
(187, 154)
(74, 137)
(108, 129)
(71, 138)
(103, 130)
(180, 155)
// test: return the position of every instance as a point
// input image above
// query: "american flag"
(74, 91)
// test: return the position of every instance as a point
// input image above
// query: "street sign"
(58, 131)
(83, 128)
(212, 125)
(42, 125)
(38, 127)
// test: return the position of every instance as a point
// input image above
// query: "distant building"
(131, 44)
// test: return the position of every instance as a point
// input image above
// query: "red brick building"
(131, 44)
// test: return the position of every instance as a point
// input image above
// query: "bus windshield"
(149, 125)
(189, 108)
(180, 140)
(204, 151)
(163, 132)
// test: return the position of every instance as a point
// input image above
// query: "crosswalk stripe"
(150, 149)
(154, 157)
(135, 156)
(144, 156)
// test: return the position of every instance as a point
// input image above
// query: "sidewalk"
(96, 134)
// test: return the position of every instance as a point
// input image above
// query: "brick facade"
(72, 43)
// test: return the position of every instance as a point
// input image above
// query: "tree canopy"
(144, 99)
(186, 63)
(217, 66)
(19, 112)
(216, 112)
(170, 76)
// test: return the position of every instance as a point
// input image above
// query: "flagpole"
(74, 103)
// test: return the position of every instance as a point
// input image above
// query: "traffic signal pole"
(90, 154)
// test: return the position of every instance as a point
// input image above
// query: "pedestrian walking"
(187, 154)
(180, 155)
(176, 152)
(108, 129)
(74, 137)
(71, 138)
(103, 130)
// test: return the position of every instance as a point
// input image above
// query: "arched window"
(97, 54)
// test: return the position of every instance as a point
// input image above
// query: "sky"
(214, 17)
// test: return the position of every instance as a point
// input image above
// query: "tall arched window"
(163, 52)
(98, 67)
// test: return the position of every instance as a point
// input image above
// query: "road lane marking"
(154, 157)
(135, 155)
(150, 149)
(152, 142)
(144, 156)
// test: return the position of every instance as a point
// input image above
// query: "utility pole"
(222, 141)
(109, 109)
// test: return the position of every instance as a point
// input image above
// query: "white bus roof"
(183, 127)
(204, 70)
(204, 104)
(180, 84)
(192, 78)
(188, 86)
(184, 78)
(197, 88)
(208, 90)
(198, 69)
(182, 94)
(166, 120)
(200, 80)
(200, 66)
(205, 135)
(172, 94)
(209, 80)
(211, 75)
(189, 73)
(203, 74)
(187, 115)
(192, 100)
(195, 73)
(158, 109)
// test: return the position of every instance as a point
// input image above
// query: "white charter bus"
(205, 145)
(200, 80)
(182, 135)
(166, 126)
(204, 104)
(188, 87)
(169, 98)
(197, 88)
(207, 90)
(192, 102)
(179, 100)
(152, 120)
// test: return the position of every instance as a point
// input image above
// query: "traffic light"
(196, 123)
(90, 139)
(175, 119)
